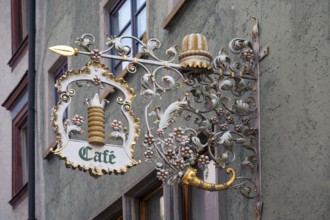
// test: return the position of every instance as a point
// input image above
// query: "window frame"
(19, 42)
(54, 72)
(59, 69)
(114, 211)
(17, 105)
(173, 10)
(145, 198)
(19, 188)
(131, 199)
(135, 12)
(220, 201)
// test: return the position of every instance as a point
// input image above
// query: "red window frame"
(19, 188)
(19, 122)
(19, 39)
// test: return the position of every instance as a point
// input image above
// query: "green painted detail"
(105, 156)
(83, 153)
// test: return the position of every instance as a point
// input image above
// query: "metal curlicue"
(214, 115)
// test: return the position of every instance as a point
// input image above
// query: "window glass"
(60, 71)
(139, 3)
(57, 76)
(204, 204)
(122, 17)
(127, 19)
(23, 19)
(152, 205)
(141, 23)
(155, 206)
(119, 65)
(127, 32)
(24, 154)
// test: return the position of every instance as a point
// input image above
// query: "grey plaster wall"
(68, 193)
(295, 120)
(294, 115)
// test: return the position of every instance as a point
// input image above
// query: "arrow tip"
(64, 50)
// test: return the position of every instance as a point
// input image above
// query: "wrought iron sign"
(199, 110)
(96, 154)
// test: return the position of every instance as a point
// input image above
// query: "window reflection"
(152, 205)
(127, 19)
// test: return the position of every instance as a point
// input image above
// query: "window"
(152, 205)
(20, 171)
(128, 17)
(201, 204)
(146, 200)
(174, 7)
(16, 103)
(61, 69)
(113, 212)
(56, 71)
(18, 31)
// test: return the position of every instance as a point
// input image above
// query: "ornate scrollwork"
(214, 117)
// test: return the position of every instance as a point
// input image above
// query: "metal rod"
(139, 60)
(258, 170)
(155, 62)
(31, 12)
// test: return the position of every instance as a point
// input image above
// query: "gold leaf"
(64, 50)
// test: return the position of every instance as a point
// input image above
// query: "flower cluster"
(178, 132)
(253, 131)
(214, 120)
(169, 154)
(186, 151)
(246, 121)
(160, 132)
(149, 139)
(95, 54)
(230, 119)
(221, 111)
(248, 54)
(96, 80)
(162, 174)
(168, 142)
(116, 125)
(148, 154)
(203, 160)
(238, 128)
(78, 120)
(179, 163)
(223, 127)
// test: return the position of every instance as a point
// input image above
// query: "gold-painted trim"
(96, 124)
(54, 118)
(197, 65)
(190, 178)
(64, 50)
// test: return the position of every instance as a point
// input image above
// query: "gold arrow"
(64, 50)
